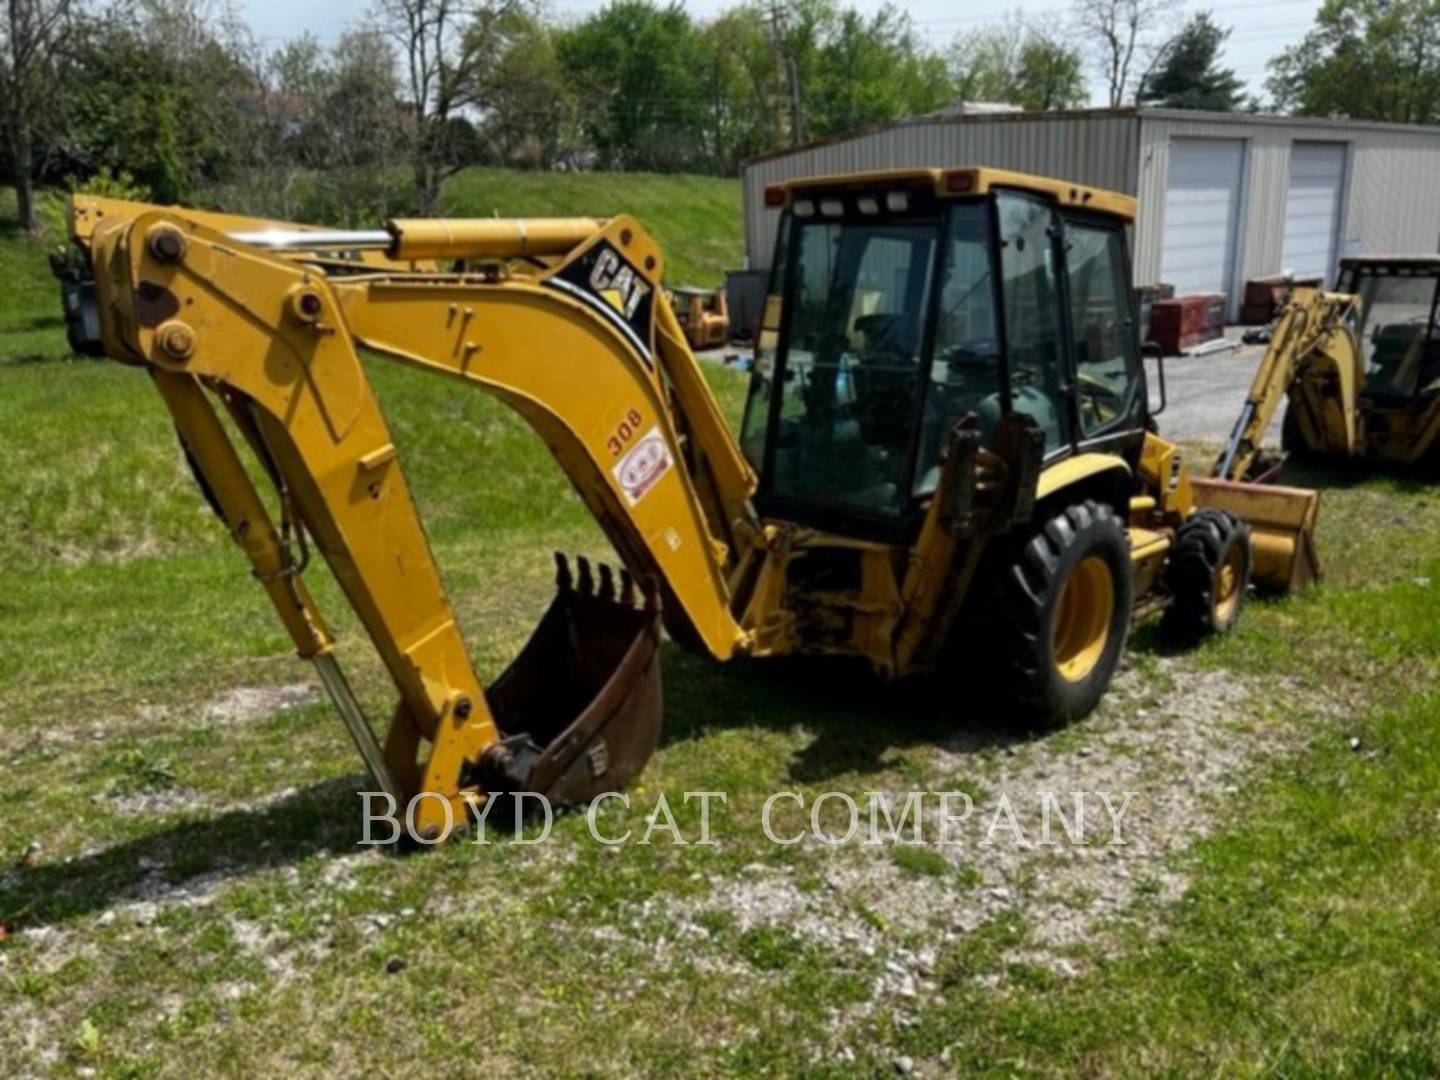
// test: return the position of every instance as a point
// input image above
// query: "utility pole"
(787, 76)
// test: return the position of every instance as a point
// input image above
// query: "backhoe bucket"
(1282, 524)
(580, 708)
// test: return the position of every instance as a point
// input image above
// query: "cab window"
(1032, 315)
(1101, 324)
(1397, 334)
(851, 365)
(755, 427)
(965, 366)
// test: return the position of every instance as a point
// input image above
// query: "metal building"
(1224, 197)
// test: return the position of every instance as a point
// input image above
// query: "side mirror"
(1151, 350)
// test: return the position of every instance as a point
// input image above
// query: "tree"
(871, 70)
(1123, 36)
(1051, 75)
(843, 69)
(331, 133)
(1189, 75)
(162, 89)
(530, 108)
(1366, 59)
(1016, 63)
(737, 85)
(444, 47)
(635, 69)
(30, 37)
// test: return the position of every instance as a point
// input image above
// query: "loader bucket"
(1282, 524)
(579, 710)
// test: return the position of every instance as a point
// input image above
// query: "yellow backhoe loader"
(703, 315)
(1360, 367)
(946, 453)
(1361, 370)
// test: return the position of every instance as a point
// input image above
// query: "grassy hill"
(695, 218)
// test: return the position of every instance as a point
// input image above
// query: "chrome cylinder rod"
(360, 731)
(317, 240)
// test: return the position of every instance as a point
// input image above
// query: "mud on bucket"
(580, 709)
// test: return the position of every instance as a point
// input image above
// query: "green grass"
(197, 904)
(31, 327)
(696, 219)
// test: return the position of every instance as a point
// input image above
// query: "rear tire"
(1062, 614)
(1208, 574)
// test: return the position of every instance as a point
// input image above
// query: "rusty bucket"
(580, 709)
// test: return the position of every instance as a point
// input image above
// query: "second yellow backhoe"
(947, 463)
(1360, 368)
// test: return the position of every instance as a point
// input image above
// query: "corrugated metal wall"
(1392, 196)
(1392, 202)
(1096, 148)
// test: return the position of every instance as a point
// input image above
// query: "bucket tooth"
(627, 588)
(563, 580)
(586, 584)
(607, 582)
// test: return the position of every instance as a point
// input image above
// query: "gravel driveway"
(1205, 393)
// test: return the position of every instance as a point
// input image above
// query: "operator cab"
(901, 303)
(1396, 328)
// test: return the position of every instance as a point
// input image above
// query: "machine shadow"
(853, 717)
(171, 860)
(1344, 475)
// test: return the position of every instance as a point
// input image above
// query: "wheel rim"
(1228, 579)
(1081, 628)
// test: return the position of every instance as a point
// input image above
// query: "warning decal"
(647, 461)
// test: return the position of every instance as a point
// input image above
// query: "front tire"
(1208, 574)
(1063, 610)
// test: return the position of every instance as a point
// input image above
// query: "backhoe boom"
(586, 351)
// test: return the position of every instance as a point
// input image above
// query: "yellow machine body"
(566, 322)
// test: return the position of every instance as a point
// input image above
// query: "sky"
(1261, 28)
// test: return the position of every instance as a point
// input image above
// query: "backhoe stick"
(244, 513)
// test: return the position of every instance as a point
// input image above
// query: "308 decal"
(624, 432)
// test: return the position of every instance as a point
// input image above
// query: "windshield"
(859, 289)
(1396, 332)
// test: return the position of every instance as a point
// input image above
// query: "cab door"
(1106, 378)
(1036, 346)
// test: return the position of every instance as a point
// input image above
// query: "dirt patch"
(247, 703)
(168, 801)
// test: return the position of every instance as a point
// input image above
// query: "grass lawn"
(696, 219)
(31, 327)
(181, 890)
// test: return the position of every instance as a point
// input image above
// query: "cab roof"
(1407, 262)
(960, 182)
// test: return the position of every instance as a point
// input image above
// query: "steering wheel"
(1101, 396)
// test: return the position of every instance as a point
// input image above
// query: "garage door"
(1202, 213)
(1312, 209)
